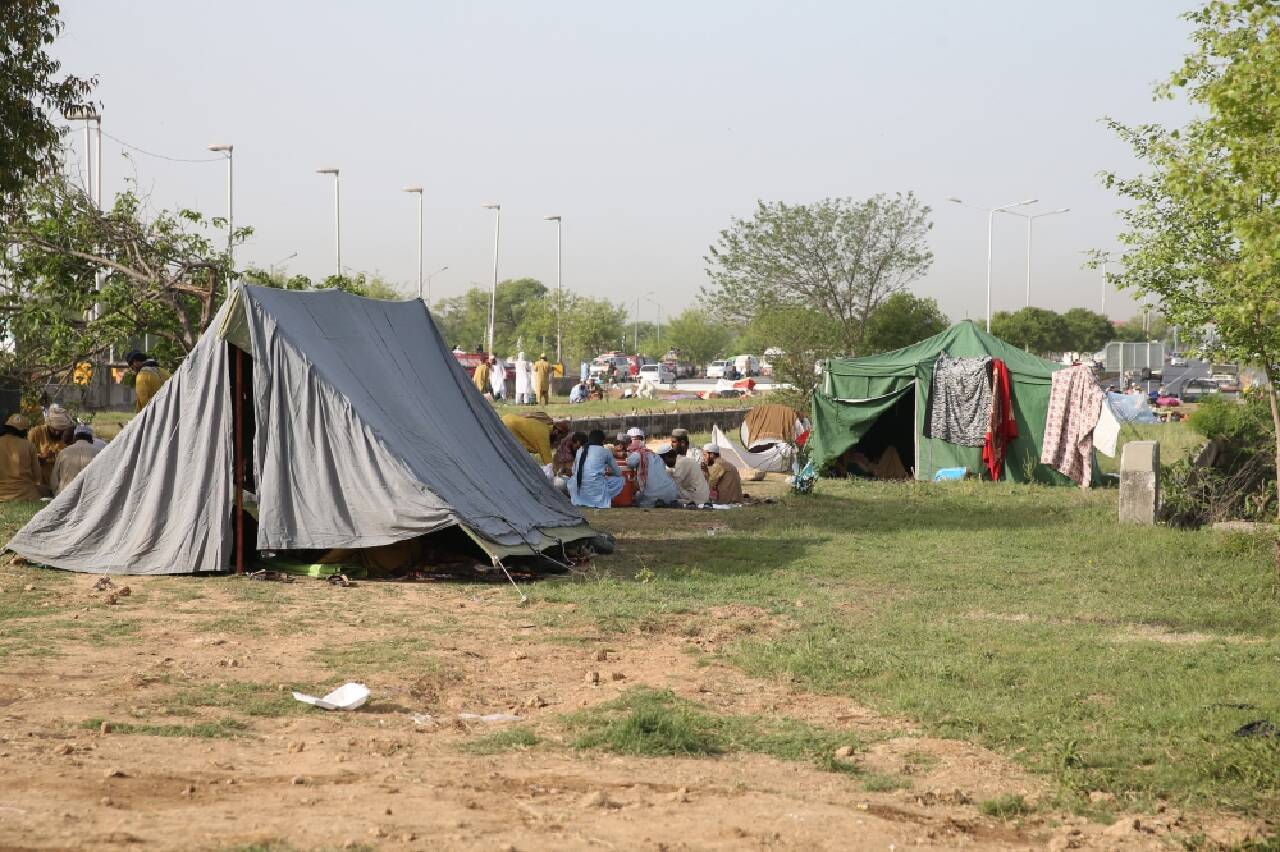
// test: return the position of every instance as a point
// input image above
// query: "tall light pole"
(337, 219)
(231, 227)
(417, 190)
(991, 217)
(429, 277)
(657, 305)
(493, 293)
(1031, 219)
(637, 320)
(559, 289)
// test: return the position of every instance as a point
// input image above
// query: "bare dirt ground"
(386, 777)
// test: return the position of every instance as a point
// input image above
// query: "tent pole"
(237, 409)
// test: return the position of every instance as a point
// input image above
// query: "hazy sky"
(647, 126)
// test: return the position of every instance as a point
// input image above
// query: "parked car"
(1198, 389)
(715, 370)
(660, 373)
(599, 368)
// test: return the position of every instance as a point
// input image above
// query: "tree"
(698, 336)
(839, 257)
(903, 319)
(1203, 223)
(1087, 331)
(83, 280)
(1035, 329)
(804, 337)
(29, 140)
(1141, 329)
(592, 326)
(464, 319)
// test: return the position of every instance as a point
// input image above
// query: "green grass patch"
(657, 723)
(511, 739)
(218, 729)
(1019, 617)
(1007, 806)
(249, 698)
(380, 655)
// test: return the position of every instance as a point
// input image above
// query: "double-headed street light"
(493, 293)
(1031, 219)
(429, 277)
(231, 227)
(417, 190)
(559, 289)
(991, 215)
(337, 219)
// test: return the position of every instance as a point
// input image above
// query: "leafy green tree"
(699, 337)
(1087, 331)
(1138, 329)
(805, 336)
(1203, 222)
(903, 319)
(592, 326)
(31, 90)
(464, 319)
(838, 257)
(1035, 329)
(81, 281)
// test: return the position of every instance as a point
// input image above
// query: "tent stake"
(237, 408)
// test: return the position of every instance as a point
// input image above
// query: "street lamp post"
(337, 219)
(657, 305)
(417, 190)
(1031, 219)
(991, 216)
(429, 277)
(559, 289)
(231, 228)
(637, 321)
(493, 293)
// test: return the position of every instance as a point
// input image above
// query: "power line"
(162, 156)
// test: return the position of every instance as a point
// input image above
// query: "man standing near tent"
(19, 463)
(722, 478)
(72, 460)
(481, 377)
(147, 378)
(498, 378)
(542, 379)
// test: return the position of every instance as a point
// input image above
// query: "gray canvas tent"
(349, 418)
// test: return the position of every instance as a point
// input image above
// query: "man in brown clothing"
(722, 477)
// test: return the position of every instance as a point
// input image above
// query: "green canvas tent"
(883, 398)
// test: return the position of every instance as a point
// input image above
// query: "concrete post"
(1140, 482)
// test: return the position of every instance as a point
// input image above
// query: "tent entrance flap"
(839, 424)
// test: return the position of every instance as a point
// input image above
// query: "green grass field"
(1020, 617)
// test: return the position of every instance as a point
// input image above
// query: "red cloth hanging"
(1003, 427)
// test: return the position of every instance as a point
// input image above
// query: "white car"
(661, 374)
(1177, 361)
(715, 370)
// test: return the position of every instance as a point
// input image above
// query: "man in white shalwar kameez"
(524, 379)
(498, 378)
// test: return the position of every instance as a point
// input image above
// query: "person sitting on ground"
(51, 437)
(691, 482)
(596, 478)
(19, 463)
(888, 465)
(147, 378)
(73, 459)
(566, 452)
(594, 391)
(680, 441)
(723, 478)
(578, 394)
(636, 444)
(654, 485)
(534, 434)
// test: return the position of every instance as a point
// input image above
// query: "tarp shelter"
(351, 420)
(883, 398)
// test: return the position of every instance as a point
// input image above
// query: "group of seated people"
(42, 461)
(629, 473)
(586, 390)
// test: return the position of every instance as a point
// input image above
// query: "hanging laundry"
(1107, 433)
(960, 400)
(1075, 403)
(1002, 426)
